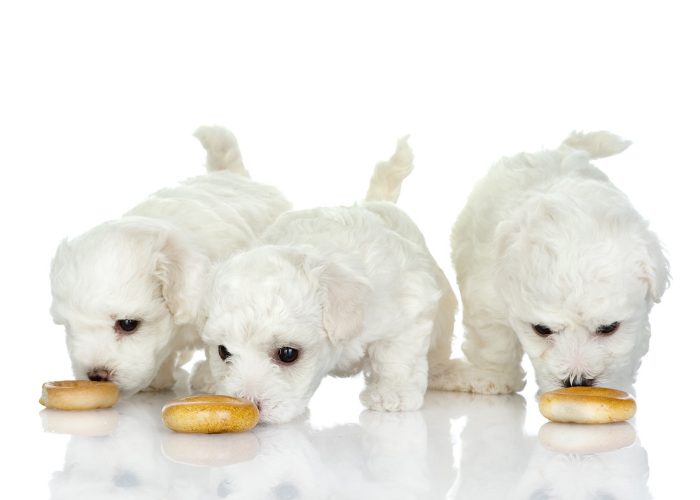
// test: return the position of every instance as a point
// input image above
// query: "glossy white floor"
(458, 446)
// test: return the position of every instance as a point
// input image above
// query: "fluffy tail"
(385, 184)
(222, 149)
(596, 144)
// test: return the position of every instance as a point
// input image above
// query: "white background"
(98, 101)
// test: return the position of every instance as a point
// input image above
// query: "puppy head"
(120, 290)
(287, 465)
(277, 320)
(580, 274)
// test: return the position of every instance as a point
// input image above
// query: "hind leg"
(493, 355)
(441, 368)
(485, 371)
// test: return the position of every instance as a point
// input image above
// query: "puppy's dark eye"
(286, 491)
(542, 330)
(223, 352)
(126, 326)
(287, 354)
(125, 479)
(608, 329)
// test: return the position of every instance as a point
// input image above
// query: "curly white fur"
(546, 239)
(150, 265)
(351, 288)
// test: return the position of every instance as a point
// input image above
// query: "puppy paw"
(482, 381)
(458, 375)
(165, 379)
(448, 376)
(382, 398)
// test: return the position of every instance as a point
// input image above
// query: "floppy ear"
(343, 297)
(56, 275)
(181, 270)
(653, 268)
(506, 233)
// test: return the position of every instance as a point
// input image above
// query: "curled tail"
(385, 184)
(222, 149)
(597, 144)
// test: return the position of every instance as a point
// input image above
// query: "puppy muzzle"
(578, 382)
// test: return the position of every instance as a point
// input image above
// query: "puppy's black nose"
(98, 375)
(578, 382)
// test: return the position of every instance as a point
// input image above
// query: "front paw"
(163, 381)
(387, 398)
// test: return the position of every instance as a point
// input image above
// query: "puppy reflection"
(395, 449)
(500, 461)
(459, 446)
(126, 462)
(618, 474)
(495, 448)
(286, 467)
(382, 458)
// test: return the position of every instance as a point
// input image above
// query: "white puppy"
(332, 290)
(552, 259)
(128, 290)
